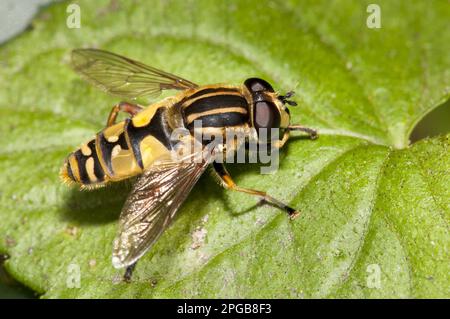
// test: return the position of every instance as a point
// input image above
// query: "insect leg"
(228, 183)
(129, 108)
(129, 273)
(280, 143)
(311, 132)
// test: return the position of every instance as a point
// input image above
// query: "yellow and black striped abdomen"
(83, 166)
(122, 150)
(216, 107)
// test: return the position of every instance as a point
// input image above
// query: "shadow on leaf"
(99, 206)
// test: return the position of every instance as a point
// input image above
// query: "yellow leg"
(129, 108)
(280, 143)
(228, 183)
(311, 132)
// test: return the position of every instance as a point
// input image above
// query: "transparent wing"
(151, 206)
(122, 76)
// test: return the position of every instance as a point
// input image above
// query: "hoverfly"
(141, 145)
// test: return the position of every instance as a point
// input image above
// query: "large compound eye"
(258, 85)
(266, 115)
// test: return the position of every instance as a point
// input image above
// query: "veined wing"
(151, 206)
(122, 76)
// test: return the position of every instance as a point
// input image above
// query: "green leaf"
(373, 206)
